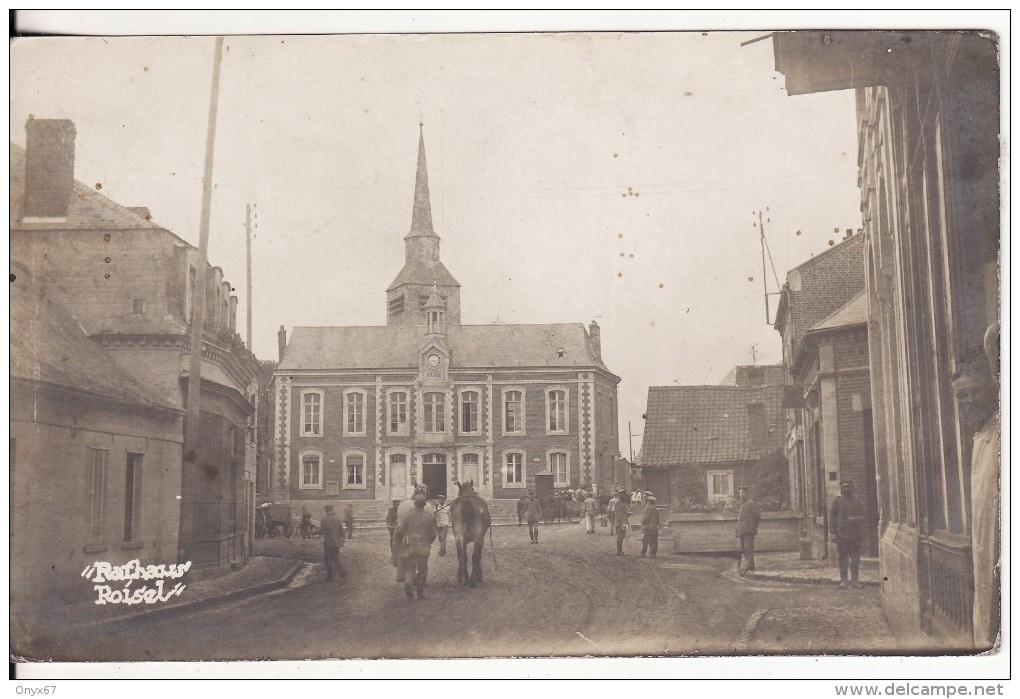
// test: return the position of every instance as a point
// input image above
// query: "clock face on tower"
(434, 360)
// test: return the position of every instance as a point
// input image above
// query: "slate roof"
(89, 210)
(419, 273)
(397, 347)
(707, 424)
(854, 313)
(49, 345)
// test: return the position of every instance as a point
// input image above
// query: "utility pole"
(631, 435)
(190, 465)
(247, 228)
(765, 250)
(764, 279)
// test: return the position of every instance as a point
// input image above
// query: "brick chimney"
(595, 340)
(49, 167)
(282, 337)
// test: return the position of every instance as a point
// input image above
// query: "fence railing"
(950, 585)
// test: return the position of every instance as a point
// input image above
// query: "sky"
(574, 176)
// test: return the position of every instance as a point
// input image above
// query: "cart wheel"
(288, 529)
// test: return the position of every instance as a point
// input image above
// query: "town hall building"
(366, 413)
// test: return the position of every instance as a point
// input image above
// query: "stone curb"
(797, 577)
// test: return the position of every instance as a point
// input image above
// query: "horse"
(469, 515)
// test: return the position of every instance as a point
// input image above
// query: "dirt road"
(569, 595)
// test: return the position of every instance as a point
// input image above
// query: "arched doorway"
(433, 474)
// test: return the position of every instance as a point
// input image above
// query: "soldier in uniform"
(415, 535)
(332, 540)
(846, 525)
(622, 520)
(748, 518)
(650, 528)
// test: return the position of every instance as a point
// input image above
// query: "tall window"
(435, 409)
(513, 410)
(558, 467)
(513, 471)
(720, 485)
(398, 412)
(557, 411)
(311, 414)
(133, 498)
(311, 471)
(469, 470)
(355, 408)
(469, 411)
(354, 471)
(97, 461)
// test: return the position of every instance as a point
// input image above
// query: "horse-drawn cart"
(271, 519)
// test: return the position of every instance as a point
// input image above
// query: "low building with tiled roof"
(131, 286)
(81, 427)
(702, 442)
(365, 413)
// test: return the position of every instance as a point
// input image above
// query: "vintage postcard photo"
(505, 345)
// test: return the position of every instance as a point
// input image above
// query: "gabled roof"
(854, 313)
(471, 346)
(49, 346)
(89, 210)
(708, 424)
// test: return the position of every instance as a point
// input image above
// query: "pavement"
(788, 567)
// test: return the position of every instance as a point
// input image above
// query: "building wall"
(590, 438)
(142, 265)
(51, 434)
(689, 482)
(835, 426)
(931, 225)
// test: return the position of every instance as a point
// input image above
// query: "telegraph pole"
(190, 465)
(630, 436)
(765, 250)
(247, 228)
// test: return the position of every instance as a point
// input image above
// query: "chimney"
(49, 167)
(595, 340)
(282, 336)
(849, 234)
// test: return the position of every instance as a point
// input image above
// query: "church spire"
(421, 217)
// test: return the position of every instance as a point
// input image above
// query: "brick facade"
(587, 436)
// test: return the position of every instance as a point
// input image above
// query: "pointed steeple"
(421, 217)
(408, 294)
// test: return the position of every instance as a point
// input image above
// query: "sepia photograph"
(557, 343)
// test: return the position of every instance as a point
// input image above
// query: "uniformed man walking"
(415, 534)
